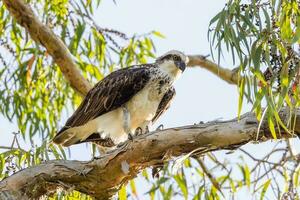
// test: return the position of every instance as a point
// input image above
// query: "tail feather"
(67, 137)
(71, 141)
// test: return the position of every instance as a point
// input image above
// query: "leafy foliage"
(218, 177)
(264, 37)
(33, 91)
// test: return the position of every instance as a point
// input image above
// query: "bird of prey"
(124, 101)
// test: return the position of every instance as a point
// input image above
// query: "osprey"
(125, 101)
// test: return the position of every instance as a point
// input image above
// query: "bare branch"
(42, 34)
(230, 76)
(61, 55)
(102, 177)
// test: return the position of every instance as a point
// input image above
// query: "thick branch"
(55, 47)
(230, 76)
(102, 177)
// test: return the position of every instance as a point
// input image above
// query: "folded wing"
(108, 94)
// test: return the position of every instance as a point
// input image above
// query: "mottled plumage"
(110, 93)
(165, 103)
(145, 91)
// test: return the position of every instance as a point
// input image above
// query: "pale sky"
(201, 96)
(185, 25)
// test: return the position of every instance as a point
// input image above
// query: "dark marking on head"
(178, 58)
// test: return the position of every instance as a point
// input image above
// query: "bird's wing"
(164, 103)
(95, 138)
(163, 106)
(110, 93)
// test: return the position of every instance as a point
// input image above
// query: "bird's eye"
(176, 58)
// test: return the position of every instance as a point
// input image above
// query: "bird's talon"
(96, 157)
(160, 127)
(138, 131)
(147, 130)
(130, 136)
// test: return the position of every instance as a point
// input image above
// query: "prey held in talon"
(124, 103)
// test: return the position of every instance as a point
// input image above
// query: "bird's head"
(174, 62)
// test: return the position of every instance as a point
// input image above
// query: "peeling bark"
(102, 177)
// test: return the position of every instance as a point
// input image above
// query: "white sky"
(201, 96)
(185, 25)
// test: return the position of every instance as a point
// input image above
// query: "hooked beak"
(181, 65)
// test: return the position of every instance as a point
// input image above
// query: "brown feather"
(110, 93)
(164, 103)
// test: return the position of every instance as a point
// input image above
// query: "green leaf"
(133, 188)
(180, 180)
(246, 174)
(296, 37)
(256, 54)
(272, 127)
(232, 185)
(158, 34)
(241, 96)
(296, 177)
(122, 193)
(216, 17)
(260, 76)
(264, 190)
(267, 17)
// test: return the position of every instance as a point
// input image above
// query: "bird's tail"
(68, 137)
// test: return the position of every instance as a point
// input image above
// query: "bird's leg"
(126, 122)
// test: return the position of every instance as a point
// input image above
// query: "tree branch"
(230, 76)
(42, 34)
(102, 177)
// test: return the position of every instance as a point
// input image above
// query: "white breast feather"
(142, 108)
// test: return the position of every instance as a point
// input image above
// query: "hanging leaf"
(122, 193)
